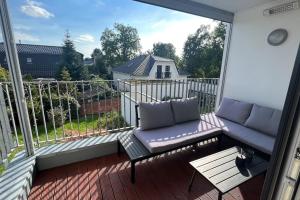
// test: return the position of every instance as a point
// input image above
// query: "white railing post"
(16, 77)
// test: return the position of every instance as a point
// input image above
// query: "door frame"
(286, 133)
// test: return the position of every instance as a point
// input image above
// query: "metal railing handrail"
(61, 111)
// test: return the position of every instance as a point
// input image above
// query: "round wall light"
(277, 37)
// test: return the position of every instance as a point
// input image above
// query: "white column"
(16, 77)
(224, 65)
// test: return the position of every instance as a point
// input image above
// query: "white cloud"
(86, 48)
(25, 37)
(85, 38)
(34, 9)
(22, 27)
(174, 31)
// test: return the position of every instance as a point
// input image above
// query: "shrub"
(113, 119)
(59, 118)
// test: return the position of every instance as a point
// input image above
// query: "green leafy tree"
(166, 50)
(99, 66)
(71, 59)
(27, 77)
(120, 44)
(4, 74)
(65, 75)
(203, 52)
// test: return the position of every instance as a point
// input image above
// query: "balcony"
(75, 124)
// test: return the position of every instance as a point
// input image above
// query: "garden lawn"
(84, 126)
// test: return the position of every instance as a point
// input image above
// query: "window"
(29, 60)
(167, 68)
(159, 71)
(167, 72)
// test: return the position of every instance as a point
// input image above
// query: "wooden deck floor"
(165, 177)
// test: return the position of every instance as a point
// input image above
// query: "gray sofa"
(251, 124)
(168, 125)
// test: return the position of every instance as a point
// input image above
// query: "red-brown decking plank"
(118, 190)
(49, 186)
(60, 191)
(144, 187)
(73, 179)
(37, 189)
(94, 181)
(199, 188)
(125, 180)
(166, 177)
(160, 183)
(83, 181)
(103, 174)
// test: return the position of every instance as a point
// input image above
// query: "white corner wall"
(258, 72)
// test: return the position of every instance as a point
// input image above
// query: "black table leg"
(220, 196)
(192, 180)
(119, 148)
(219, 145)
(132, 172)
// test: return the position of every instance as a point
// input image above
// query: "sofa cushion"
(264, 119)
(155, 115)
(234, 110)
(253, 138)
(167, 138)
(185, 109)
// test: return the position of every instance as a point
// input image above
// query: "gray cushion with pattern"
(234, 110)
(185, 109)
(264, 119)
(155, 115)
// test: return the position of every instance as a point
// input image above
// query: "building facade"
(148, 67)
(39, 61)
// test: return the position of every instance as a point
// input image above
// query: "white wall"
(258, 72)
(173, 70)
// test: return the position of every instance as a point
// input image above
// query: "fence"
(67, 110)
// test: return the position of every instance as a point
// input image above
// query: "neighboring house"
(148, 67)
(40, 61)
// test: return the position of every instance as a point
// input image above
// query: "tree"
(119, 44)
(96, 53)
(99, 67)
(165, 50)
(203, 52)
(4, 74)
(65, 75)
(71, 59)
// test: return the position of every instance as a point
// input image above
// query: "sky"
(46, 21)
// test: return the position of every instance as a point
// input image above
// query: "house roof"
(140, 65)
(36, 49)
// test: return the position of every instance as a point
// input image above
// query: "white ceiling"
(232, 5)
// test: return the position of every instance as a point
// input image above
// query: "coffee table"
(221, 171)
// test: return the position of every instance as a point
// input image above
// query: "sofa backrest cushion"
(185, 109)
(155, 115)
(264, 119)
(234, 110)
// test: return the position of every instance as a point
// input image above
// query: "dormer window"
(167, 72)
(159, 72)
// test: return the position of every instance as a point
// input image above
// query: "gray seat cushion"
(253, 138)
(234, 110)
(164, 139)
(185, 110)
(264, 119)
(155, 115)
